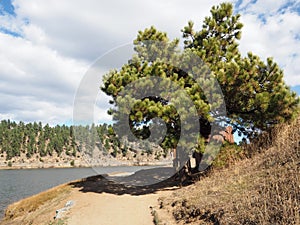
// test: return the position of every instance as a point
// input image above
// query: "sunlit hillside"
(263, 189)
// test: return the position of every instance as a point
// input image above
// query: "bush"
(229, 154)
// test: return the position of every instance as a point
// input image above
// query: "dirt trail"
(109, 209)
(95, 200)
(103, 201)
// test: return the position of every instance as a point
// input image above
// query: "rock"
(69, 204)
(219, 138)
(60, 212)
(226, 135)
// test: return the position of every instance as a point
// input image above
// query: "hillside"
(33, 145)
(263, 189)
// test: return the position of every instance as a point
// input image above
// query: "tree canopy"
(253, 91)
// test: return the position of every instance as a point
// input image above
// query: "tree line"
(31, 139)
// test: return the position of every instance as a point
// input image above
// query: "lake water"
(18, 184)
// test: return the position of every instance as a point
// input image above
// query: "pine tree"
(255, 94)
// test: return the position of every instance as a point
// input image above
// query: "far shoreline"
(55, 166)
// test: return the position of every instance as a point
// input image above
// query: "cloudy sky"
(47, 47)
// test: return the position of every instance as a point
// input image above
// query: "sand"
(101, 201)
(110, 209)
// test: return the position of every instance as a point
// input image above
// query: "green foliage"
(36, 140)
(58, 222)
(255, 93)
(33, 138)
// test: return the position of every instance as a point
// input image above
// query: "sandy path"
(102, 201)
(109, 209)
(97, 201)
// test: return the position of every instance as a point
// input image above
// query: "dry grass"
(35, 209)
(264, 189)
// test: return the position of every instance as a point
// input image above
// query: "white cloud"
(274, 37)
(89, 28)
(41, 70)
(266, 6)
(36, 82)
(30, 108)
(34, 34)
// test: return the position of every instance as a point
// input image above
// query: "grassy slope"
(37, 209)
(264, 189)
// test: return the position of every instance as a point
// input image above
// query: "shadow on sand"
(140, 183)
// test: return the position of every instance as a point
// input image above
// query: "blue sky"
(46, 49)
(296, 89)
(7, 7)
